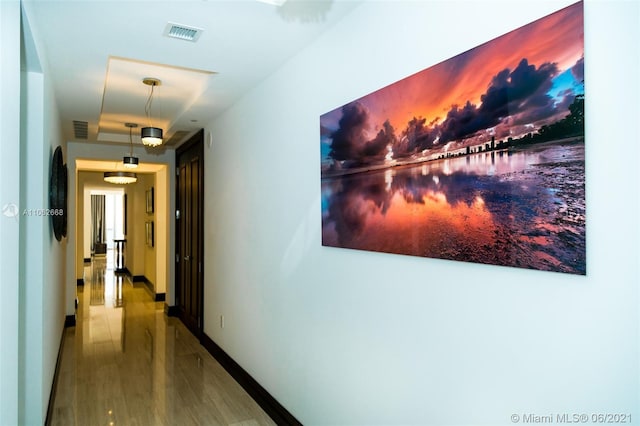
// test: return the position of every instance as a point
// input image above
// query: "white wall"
(54, 255)
(32, 311)
(9, 194)
(42, 257)
(353, 337)
(32, 243)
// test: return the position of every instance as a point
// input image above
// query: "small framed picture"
(148, 226)
(149, 198)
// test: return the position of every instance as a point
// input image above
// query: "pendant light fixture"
(120, 178)
(151, 136)
(129, 161)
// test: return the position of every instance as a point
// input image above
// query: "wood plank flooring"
(125, 362)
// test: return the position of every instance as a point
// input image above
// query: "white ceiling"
(98, 52)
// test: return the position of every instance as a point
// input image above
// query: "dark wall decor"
(58, 195)
(480, 158)
(148, 226)
(149, 200)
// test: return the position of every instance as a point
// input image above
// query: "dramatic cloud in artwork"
(520, 93)
(508, 87)
(515, 97)
(578, 70)
(519, 96)
(416, 137)
(351, 140)
(567, 98)
(324, 132)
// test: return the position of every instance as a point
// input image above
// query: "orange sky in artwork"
(432, 92)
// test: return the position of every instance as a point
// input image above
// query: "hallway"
(126, 362)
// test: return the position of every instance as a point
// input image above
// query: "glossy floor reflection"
(126, 362)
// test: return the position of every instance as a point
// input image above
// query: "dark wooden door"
(189, 232)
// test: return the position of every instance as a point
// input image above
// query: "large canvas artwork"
(480, 158)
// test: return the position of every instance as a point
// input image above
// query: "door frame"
(195, 141)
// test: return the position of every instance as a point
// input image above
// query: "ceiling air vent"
(80, 129)
(182, 32)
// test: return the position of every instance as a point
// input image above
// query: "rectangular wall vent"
(182, 32)
(80, 129)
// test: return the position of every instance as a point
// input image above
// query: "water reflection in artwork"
(520, 208)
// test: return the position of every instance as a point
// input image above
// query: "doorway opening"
(126, 218)
(107, 224)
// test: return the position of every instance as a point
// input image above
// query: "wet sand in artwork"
(520, 207)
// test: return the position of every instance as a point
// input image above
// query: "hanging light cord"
(147, 107)
(131, 141)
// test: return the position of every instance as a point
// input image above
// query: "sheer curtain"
(97, 223)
